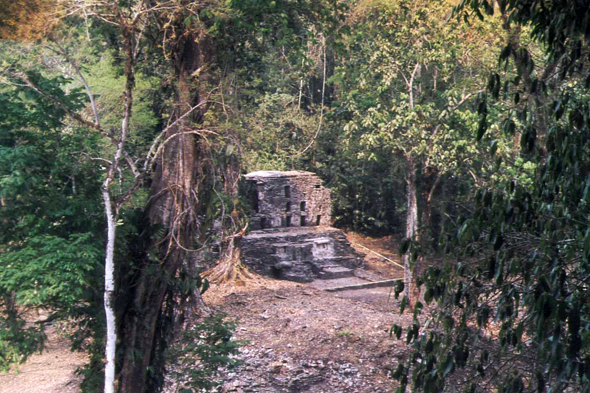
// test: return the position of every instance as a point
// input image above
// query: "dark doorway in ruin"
(288, 221)
(318, 220)
(287, 192)
(302, 221)
(250, 192)
(275, 272)
(302, 206)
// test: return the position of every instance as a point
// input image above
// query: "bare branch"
(94, 158)
(64, 53)
(23, 76)
(411, 85)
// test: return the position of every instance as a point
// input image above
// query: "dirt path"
(52, 371)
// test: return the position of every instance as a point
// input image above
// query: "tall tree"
(177, 161)
(130, 24)
(407, 86)
(518, 296)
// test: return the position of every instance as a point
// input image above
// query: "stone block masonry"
(289, 199)
(291, 238)
(300, 254)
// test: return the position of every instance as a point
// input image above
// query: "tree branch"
(64, 53)
(322, 106)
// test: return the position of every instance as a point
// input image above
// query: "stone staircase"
(300, 254)
(330, 272)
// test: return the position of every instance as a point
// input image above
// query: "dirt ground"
(304, 339)
(300, 337)
(52, 371)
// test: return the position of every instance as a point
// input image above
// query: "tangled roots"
(230, 269)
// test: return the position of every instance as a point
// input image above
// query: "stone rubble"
(286, 374)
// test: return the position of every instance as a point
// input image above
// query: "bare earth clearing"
(301, 338)
(52, 371)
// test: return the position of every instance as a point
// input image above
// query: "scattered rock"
(311, 340)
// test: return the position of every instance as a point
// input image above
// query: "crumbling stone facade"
(300, 254)
(291, 238)
(289, 199)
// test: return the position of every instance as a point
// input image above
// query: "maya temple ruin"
(291, 237)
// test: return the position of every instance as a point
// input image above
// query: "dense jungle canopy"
(463, 127)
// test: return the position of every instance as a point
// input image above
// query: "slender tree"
(407, 86)
(511, 311)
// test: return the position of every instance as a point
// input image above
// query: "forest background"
(125, 127)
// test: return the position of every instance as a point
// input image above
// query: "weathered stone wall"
(289, 199)
(299, 254)
(291, 238)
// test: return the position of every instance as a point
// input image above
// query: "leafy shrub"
(201, 352)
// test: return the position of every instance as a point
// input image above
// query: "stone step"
(330, 272)
(374, 284)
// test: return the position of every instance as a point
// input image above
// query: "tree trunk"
(426, 220)
(109, 289)
(112, 214)
(149, 314)
(411, 221)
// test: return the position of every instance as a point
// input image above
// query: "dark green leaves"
(202, 350)
(397, 330)
(482, 127)
(494, 86)
(528, 139)
(403, 304)
(399, 288)
(51, 213)
(50, 270)
(205, 286)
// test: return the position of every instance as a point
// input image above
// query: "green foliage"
(49, 251)
(104, 75)
(405, 91)
(203, 349)
(71, 263)
(512, 312)
(277, 131)
(367, 194)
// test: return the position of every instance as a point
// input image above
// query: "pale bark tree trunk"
(109, 290)
(411, 221)
(411, 195)
(112, 214)
(111, 207)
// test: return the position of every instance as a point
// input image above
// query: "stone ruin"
(291, 237)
